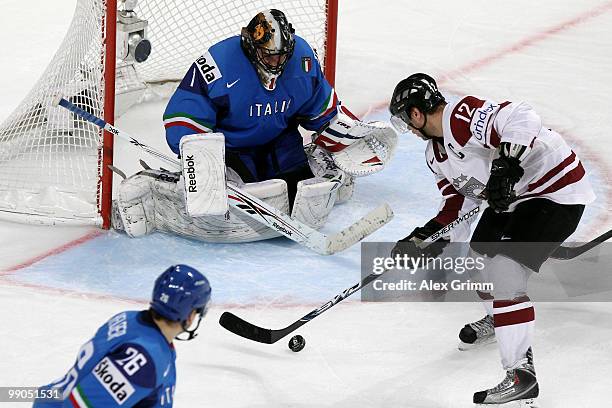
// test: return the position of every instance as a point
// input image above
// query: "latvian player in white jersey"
(536, 189)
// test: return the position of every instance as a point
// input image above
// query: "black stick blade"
(566, 253)
(242, 328)
(563, 253)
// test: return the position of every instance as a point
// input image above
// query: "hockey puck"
(297, 343)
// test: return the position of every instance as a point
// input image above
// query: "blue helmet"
(180, 290)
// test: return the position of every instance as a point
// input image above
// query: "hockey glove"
(505, 173)
(410, 245)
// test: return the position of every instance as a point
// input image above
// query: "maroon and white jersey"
(473, 129)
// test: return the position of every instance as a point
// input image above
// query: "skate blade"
(467, 346)
(524, 403)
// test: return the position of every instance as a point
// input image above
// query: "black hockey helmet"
(419, 91)
(268, 35)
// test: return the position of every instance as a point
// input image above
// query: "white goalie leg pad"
(203, 162)
(270, 189)
(135, 206)
(370, 154)
(233, 177)
(153, 200)
(314, 200)
(346, 190)
(234, 226)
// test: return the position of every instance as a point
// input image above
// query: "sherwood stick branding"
(452, 225)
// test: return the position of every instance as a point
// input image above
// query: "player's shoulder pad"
(211, 64)
(208, 68)
(306, 61)
(116, 328)
(302, 47)
(472, 101)
(461, 117)
(133, 361)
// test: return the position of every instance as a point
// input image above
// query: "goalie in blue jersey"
(130, 360)
(234, 118)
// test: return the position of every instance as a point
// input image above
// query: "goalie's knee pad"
(320, 162)
(236, 226)
(272, 191)
(346, 190)
(134, 208)
(314, 200)
(323, 166)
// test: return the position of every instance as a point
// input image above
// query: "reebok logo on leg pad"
(203, 163)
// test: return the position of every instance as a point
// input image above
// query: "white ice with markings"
(556, 56)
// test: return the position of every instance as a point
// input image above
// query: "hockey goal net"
(53, 165)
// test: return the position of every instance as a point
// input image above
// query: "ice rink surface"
(57, 285)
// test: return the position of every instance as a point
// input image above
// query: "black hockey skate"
(477, 334)
(518, 390)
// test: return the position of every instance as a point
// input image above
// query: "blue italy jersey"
(127, 363)
(221, 92)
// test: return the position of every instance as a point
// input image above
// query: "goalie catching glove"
(357, 148)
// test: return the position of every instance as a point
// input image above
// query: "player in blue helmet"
(130, 360)
(235, 118)
(180, 295)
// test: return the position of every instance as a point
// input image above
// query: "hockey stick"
(248, 330)
(261, 211)
(565, 252)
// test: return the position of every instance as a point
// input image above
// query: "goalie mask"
(268, 42)
(417, 91)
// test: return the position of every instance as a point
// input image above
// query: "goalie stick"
(262, 212)
(248, 330)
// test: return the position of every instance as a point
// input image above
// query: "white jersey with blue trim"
(127, 363)
(222, 92)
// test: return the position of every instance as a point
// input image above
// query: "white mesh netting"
(49, 159)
